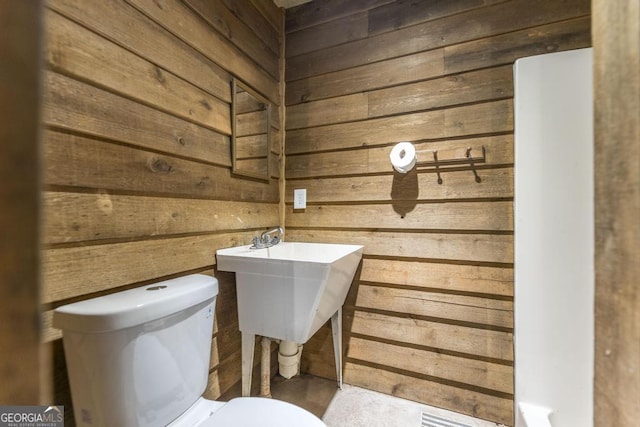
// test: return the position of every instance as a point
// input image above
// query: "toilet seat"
(246, 412)
(262, 412)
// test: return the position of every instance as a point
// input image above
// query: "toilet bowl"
(246, 412)
(534, 415)
(141, 358)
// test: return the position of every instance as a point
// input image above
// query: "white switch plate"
(300, 198)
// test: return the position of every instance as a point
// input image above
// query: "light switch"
(300, 198)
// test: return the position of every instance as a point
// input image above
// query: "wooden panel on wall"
(430, 315)
(450, 29)
(136, 147)
(122, 24)
(21, 369)
(79, 52)
(198, 33)
(617, 202)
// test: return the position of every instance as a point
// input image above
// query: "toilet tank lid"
(136, 306)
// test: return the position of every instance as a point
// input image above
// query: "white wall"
(554, 237)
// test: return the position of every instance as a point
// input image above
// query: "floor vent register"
(429, 420)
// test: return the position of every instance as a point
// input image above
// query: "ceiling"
(289, 3)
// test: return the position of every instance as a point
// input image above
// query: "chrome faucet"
(266, 240)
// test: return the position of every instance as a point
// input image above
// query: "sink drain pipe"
(289, 354)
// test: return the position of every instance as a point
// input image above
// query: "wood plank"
(95, 164)
(214, 46)
(483, 343)
(369, 160)
(475, 86)
(465, 401)
(275, 117)
(484, 248)
(403, 13)
(224, 380)
(303, 16)
(73, 50)
(75, 271)
(114, 216)
(121, 23)
(448, 277)
(24, 368)
(506, 48)
(331, 33)
(78, 107)
(423, 216)
(495, 183)
(376, 75)
(489, 117)
(478, 373)
(223, 377)
(252, 146)
(477, 119)
(226, 342)
(410, 127)
(246, 101)
(226, 303)
(274, 169)
(276, 144)
(328, 111)
(253, 166)
(251, 123)
(463, 27)
(47, 332)
(318, 364)
(480, 311)
(243, 36)
(617, 203)
(392, 296)
(265, 19)
(272, 13)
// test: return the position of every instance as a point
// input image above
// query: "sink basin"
(288, 291)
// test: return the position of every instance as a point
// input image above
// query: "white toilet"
(141, 358)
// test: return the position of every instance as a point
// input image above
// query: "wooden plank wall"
(137, 164)
(617, 204)
(20, 362)
(430, 315)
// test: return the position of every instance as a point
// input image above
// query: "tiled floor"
(357, 407)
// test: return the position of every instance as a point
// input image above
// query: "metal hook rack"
(453, 160)
(449, 160)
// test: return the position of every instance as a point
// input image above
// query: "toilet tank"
(139, 357)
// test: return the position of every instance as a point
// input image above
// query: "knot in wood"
(159, 76)
(158, 165)
(553, 47)
(206, 104)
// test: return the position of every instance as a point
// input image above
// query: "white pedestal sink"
(288, 291)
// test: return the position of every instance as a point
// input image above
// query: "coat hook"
(435, 159)
(472, 164)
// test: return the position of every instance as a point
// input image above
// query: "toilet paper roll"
(403, 157)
